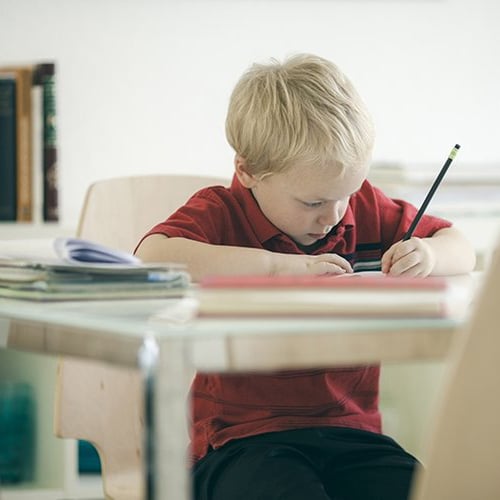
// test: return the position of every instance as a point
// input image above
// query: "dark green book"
(8, 197)
(44, 75)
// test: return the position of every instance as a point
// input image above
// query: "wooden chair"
(98, 402)
(463, 458)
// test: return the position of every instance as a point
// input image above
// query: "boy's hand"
(327, 263)
(414, 257)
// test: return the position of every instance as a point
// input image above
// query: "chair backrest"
(94, 401)
(463, 458)
(118, 211)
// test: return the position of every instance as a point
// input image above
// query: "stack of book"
(76, 269)
(353, 295)
(28, 147)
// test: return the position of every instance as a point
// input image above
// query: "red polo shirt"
(232, 406)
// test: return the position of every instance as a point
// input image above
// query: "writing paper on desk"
(357, 296)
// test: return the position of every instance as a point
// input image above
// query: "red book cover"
(357, 295)
(356, 280)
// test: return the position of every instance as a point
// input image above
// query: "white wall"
(143, 85)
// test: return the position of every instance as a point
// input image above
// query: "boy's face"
(305, 202)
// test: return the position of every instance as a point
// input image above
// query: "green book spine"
(44, 75)
(8, 197)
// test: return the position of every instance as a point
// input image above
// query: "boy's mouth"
(319, 236)
(316, 236)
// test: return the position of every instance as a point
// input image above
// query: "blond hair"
(302, 110)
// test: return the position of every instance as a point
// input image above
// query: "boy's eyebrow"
(330, 199)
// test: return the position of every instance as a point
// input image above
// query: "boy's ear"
(240, 167)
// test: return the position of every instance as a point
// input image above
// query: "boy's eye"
(312, 204)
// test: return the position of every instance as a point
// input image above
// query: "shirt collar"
(348, 219)
(263, 228)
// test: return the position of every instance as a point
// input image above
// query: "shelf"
(17, 230)
(87, 487)
(28, 493)
(55, 474)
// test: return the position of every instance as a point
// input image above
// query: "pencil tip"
(457, 146)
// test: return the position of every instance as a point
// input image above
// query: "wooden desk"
(115, 331)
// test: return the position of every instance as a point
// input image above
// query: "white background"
(143, 85)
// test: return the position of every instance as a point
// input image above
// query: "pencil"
(431, 192)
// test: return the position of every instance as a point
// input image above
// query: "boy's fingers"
(328, 268)
(386, 261)
(337, 262)
(342, 263)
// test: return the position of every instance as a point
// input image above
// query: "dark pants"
(306, 464)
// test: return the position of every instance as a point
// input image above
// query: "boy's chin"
(312, 238)
(307, 241)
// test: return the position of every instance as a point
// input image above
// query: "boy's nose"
(330, 215)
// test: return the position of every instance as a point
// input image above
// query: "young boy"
(299, 203)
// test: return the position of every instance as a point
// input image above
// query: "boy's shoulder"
(230, 194)
(216, 198)
(215, 193)
(370, 200)
(233, 203)
(368, 193)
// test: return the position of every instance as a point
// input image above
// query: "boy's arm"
(446, 252)
(203, 259)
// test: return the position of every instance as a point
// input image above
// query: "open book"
(357, 295)
(75, 269)
(63, 251)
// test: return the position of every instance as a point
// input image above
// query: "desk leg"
(148, 363)
(171, 412)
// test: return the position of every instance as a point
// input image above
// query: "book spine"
(24, 152)
(37, 153)
(45, 76)
(8, 197)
